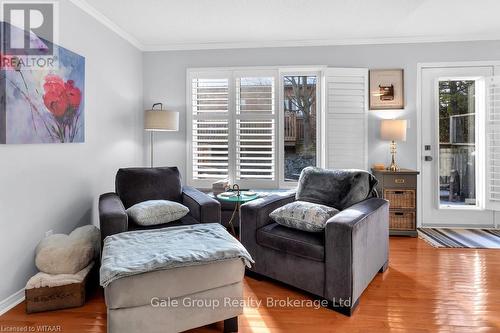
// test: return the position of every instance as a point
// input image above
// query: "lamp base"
(393, 166)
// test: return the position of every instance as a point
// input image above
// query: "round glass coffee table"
(238, 201)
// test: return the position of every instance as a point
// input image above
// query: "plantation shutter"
(492, 173)
(255, 119)
(210, 108)
(346, 101)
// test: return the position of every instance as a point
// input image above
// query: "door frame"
(420, 67)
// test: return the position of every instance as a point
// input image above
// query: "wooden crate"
(402, 220)
(62, 297)
(404, 199)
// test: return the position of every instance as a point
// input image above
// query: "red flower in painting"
(59, 96)
(62, 99)
(55, 97)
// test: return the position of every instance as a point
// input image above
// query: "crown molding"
(103, 19)
(319, 42)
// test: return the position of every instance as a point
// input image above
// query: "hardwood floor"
(424, 290)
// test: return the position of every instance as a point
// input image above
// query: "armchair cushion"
(134, 185)
(303, 215)
(309, 245)
(335, 188)
(154, 212)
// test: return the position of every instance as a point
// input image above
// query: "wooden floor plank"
(424, 290)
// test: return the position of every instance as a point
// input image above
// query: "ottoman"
(165, 296)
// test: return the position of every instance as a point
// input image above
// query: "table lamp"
(159, 120)
(393, 130)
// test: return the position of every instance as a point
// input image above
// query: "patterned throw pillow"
(303, 215)
(153, 212)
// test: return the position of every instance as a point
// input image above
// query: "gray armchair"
(134, 185)
(337, 264)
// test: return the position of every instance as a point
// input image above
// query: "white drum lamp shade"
(393, 129)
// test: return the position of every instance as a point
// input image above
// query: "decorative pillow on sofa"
(302, 215)
(339, 188)
(153, 212)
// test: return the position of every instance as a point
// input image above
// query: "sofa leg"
(345, 310)
(231, 325)
(384, 267)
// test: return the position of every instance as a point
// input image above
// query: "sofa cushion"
(134, 185)
(340, 188)
(310, 245)
(303, 215)
(154, 212)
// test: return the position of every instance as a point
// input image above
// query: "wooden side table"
(400, 188)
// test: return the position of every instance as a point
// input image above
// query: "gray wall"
(55, 186)
(165, 81)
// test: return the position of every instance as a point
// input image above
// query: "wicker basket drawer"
(400, 198)
(401, 220)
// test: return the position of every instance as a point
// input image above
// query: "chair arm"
(202, 207)
(356, 248)
(255, 215)
(113, 218)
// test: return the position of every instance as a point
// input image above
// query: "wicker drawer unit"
(400, 189)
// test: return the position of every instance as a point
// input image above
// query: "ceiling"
(214, 24)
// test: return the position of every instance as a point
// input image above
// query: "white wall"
(56, 186)
(165, 81)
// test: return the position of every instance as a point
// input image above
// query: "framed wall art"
(386, 89)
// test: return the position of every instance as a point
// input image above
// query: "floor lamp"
(159, 120)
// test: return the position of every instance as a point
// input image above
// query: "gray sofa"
(134, 185)
(337, 264)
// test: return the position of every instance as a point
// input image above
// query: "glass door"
(453, 148)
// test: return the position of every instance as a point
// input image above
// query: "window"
(457, 142)
(299, 123)
(260, 127)
(210, 128)
(255, 128)
(232, 127)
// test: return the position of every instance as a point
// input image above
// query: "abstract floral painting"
(42, 105)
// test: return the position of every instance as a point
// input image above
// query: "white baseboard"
(11, 301)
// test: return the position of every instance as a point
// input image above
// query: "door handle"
(428, 158)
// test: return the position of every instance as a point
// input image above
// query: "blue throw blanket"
(143, 251)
